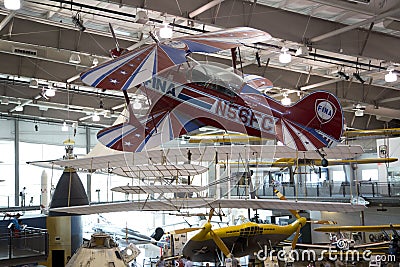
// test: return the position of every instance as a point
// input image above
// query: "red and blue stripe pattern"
(139, 65)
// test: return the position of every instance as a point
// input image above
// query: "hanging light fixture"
(95, 117)
(75, 58)
(284, 56)
(286, 101)
(390, 77)
(12, 4)
(64, 128)
(50, 92)
(19, 108)
(165, 31)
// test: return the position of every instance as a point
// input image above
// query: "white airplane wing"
(187, 203)
(204, 153)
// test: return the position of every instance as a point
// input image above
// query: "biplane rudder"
(312, 123)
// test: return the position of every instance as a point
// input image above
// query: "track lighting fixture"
(12, 4)
(165, 31)
(50, 92)
(390, 77)
(284, 56)
(343, 75)
(95, 117)
(78, 22)
(75, 58)
(302, 51)
(64, 128)
(286, 101)
(19, 108)
(358, 77)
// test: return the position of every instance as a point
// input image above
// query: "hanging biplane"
(288, 162)
(341, 242)
(185, 95)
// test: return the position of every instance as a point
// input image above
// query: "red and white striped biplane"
(186, 95)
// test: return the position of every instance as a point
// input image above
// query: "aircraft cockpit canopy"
(217, 78)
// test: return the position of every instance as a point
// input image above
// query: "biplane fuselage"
(241, 240)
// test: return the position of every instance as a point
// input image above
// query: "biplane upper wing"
(108, 159)
(361, 228)
(141, 64)
(188, 203)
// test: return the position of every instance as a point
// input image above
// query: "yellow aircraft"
(238, 240)
(287, 162)
(390, 132)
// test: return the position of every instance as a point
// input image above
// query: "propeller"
(207, 228)
(184, 230)
(296, 237)
(282, 197)
(217, 240)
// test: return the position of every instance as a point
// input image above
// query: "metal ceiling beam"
(7, 19)
(315, 85)
(206, 7)
(354, 26)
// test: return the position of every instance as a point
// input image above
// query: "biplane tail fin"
(314, 122)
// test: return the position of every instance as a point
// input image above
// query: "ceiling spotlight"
(285, 57)
(165, 31)
(95, 117)
(95, 62)
(137, 105)
(19, 108)
(64, 128)
(302, 51)
(50, 92)
(12, 4)
(391, 76)
(343, 75)
(75, 58)
(358, 77)
(34, 83)
(78, 22)
(359, 113)
(4, 101)
(286, 101)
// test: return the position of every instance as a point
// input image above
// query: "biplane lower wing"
(188, 203)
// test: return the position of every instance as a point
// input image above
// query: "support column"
(16, 161)
(88, 176)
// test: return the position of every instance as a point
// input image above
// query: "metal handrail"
(29, 242)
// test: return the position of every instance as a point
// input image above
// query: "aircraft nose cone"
(207, 227)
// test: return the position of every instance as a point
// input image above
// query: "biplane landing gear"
(324, 161)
